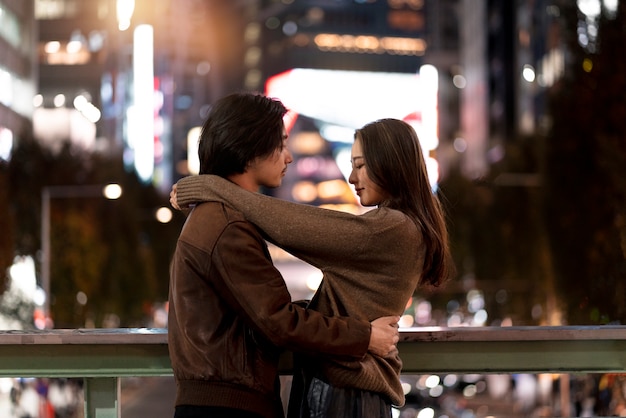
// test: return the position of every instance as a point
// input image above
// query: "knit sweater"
(371, 265)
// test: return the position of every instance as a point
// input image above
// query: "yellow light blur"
(332, 189)
(587, 65)
(304, 191)
(370, 44)
(310, 143)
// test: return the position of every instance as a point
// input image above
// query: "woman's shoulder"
(386, 218)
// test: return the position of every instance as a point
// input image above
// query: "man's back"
(218, 359)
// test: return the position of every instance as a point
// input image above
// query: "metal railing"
(103, 356)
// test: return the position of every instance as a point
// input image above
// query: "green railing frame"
(103, 356)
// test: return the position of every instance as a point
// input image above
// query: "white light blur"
(611, 6)
(342, 158)
(432, 167)
(436, 392)
(460, 145)
(39, 297)
(81, 298)
(37, 100)
(406, 321)
(6, 143)
(469, 391)
(203, 68)
(73, 47)
(429, 84)
(59, 100)
(450, 380)
(313, 280)
(52, 47)
(23, 277)
(338, 97)
(432, 381)
(406, 388)
(125, 10)
(164, 215)
(528, 73)
(459, 81)
(112, 191)
(6, 384)
(87, 109)
(455, 320)
(480, 318)
(141, 119)
(6, 87)
(426, 413)
(53, 126)
(423, 312)
(475, 300)
(590, 8)
(338, 100)
(335, 133)
(193, 161)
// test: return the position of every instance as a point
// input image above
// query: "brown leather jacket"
(229, 310)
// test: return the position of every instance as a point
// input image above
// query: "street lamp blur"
(108, 191)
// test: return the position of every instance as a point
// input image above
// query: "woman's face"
(370, 193)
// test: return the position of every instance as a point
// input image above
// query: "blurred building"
(132, 77)
(492, 61)
(18, 72)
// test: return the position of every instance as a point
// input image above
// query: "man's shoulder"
(216, 212)
(209, 221)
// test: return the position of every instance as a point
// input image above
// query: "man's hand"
(384, 335)
(173, 200)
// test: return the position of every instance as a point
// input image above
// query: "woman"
(372, 263)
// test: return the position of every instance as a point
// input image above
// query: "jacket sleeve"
(256, 289)
(316, 235)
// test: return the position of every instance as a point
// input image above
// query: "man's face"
(269, 171)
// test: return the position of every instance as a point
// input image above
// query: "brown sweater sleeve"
(314, 234)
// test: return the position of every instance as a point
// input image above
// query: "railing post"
(102, 397)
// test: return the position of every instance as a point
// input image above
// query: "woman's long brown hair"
(395, 162)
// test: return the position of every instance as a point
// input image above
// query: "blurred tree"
(496, 235)
(585, 172)
(109, 259)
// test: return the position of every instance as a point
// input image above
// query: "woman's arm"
(308, 232)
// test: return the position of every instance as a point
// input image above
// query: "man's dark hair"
(240, 128)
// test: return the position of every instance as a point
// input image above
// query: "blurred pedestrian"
(372, 263)
(229, 307)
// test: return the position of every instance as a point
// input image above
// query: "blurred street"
(148, 397)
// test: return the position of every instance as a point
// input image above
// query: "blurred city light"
(164, 215)
(141, 114)
(112, 191)
(6, 143)
(125, 9)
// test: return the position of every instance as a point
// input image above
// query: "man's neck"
(244, 181)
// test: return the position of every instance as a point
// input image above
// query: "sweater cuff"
(189, 190)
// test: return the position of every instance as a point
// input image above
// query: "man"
(229, 308)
